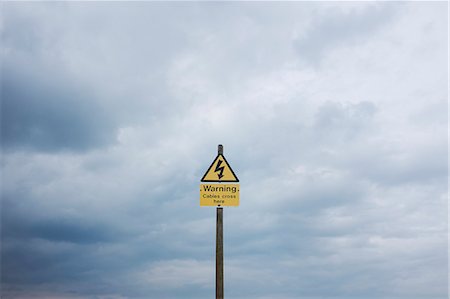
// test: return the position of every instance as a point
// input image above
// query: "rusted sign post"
(219, 195)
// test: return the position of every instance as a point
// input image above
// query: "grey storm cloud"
(50, 112)
(333, 116)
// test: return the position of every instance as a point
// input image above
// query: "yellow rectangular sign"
(219, 195)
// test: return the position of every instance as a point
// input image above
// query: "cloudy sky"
(332, 114)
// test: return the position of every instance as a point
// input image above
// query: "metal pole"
(219, 245)
(219, 254)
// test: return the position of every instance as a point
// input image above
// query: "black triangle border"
(219, 181)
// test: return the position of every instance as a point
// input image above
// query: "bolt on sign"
(215, 193)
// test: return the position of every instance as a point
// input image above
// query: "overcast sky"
(332, 114)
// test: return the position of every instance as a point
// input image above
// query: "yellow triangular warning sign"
(220, 171)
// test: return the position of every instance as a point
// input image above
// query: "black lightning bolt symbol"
(218, 168)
